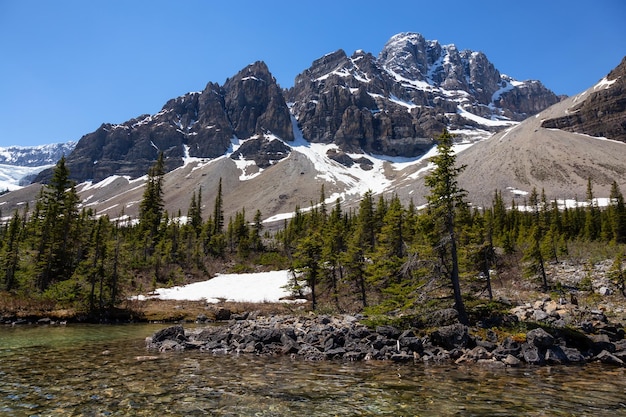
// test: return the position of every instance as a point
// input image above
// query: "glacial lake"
(105, 370)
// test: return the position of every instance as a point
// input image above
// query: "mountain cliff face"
(262, 170)
(603, 113)
(199, 124)
(393, 104)
(396, 103)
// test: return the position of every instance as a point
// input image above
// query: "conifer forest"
(382, 256)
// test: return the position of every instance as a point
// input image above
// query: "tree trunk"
(454, 277)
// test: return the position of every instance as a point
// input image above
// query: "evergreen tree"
(617, 214)
(534, 254)
(255, 233)
(592, 216)
(444, 198)
(151, 206)
(307, 261)
(388, 256)
(56, 223)
(10, 252)
(333, 248)
(218, 211)
(194, 214)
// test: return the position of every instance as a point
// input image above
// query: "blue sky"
(69, 66)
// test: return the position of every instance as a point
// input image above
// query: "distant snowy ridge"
(20, 164)
(35, 156)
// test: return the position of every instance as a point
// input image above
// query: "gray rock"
(510, 360)
(555, 355)
(608, 358)
(531, 354)
(450, 337)
(540, 338)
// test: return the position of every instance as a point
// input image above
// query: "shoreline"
(323, 337)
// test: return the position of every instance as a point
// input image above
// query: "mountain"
(35, 156)
(395, 104)
(558, 150)
(603, 113)
(262, 142)
(391, 105)
(19, 165)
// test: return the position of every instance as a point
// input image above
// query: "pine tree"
(444, 199)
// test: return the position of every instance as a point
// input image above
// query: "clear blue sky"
(68, 66)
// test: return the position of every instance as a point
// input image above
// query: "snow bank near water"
(255, 288)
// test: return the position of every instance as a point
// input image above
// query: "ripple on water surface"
(106, 371)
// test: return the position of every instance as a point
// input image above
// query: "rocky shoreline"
(346, 338)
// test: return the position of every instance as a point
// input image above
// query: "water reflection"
(105, 371)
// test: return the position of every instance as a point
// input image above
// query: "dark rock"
(601, 342)
(490, 346)
(341, 157)
(443, 317)
(262, 151)
(222, 314)
(555, 355)
(176, 333)
(169, 344)
(608, 358)
(602, 113)
(411, 343)
(389, 332)
(474, 355)
(531, 354)
(450, 337)
(539, 338)
(573, 355)
(335, 353)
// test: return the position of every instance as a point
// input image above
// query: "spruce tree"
(56, 222)
(444, 199)
(151, 206)
(617, 214)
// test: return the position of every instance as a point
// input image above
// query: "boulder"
(539, 338)
(451, 337)
(608, 358)
(531, 354)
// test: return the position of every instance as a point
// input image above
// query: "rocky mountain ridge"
(603, 113)
(275, 175)
(392, 105)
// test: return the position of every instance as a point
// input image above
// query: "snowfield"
(270, 287)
